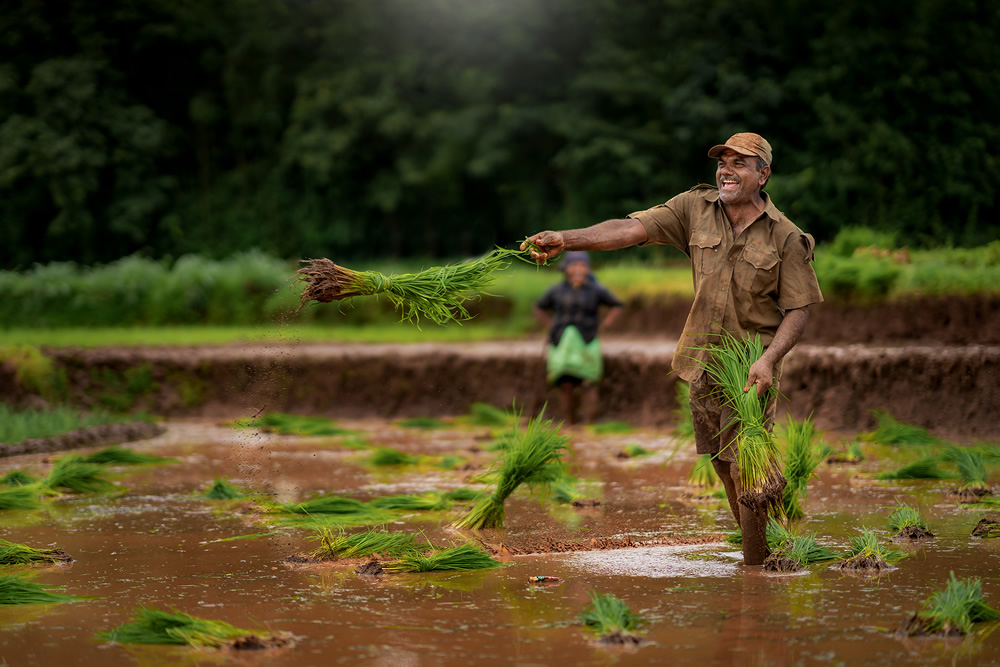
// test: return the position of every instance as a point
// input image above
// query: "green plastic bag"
(574, 357)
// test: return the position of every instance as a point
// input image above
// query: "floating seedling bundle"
(462, 557)
(337, 544)
(72, 472)
(972, 471)
(122, 456)
(438, 293)
(610, 619)
(14, 553)
(154, 626)
(534, 456)
(905, 523)
(867, 554)
(952, 611)
(20, 589)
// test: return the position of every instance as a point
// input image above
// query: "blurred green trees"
(440, 127)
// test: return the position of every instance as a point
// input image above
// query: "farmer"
(574, 352)
(752, 274)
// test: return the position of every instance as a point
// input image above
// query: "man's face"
(576, 273)
(738, 179)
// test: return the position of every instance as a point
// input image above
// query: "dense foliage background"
(439, 127)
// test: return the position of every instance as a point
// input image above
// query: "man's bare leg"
(566, 402)
(588, 402)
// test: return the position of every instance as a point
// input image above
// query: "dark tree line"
(440, 127)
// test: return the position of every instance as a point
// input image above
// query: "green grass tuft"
(423, 423)
(608, 615)
(484, 414)
(463, 557)
(971, 467)
(926, 468)
(955, 609)
(154, 626)
(387, 456)
(633, 449)
(288, 424)
(18, 477)
(221, 489)
(904, 516)
(120, 455)
(20, 498)
(16, 589)
(72, 472)
(867, 552)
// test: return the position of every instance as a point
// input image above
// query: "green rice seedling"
(684, 429)
(971, 470)
(991, 453)
(423, 502)
(634, 449)
(221, 489)
(287, 424)
(868, 553)
(427, 423)
(15, 553)
(327, 505)
(464, 495)
(337, 544)
(777, 535)
(612, 427)
(18, 589)
(757, 454)
(73, 473)
(387, 456)
(438, 293)
(534, 457)
(154, 626)
(484, 414)
(446, 462)
(466, 556)
(889, 431)
(926, 468)
(802, 457)
(906, 522)
(20, 498)
(852, 455)
(703, 475)
(17, 477)
(609, 616)
(798, 552)
(566, 489)
(952, 611)
(122, 456)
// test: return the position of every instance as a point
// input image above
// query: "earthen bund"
(952, 390)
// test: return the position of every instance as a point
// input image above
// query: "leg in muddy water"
(753, 526)
(589, 402)
(566, 402)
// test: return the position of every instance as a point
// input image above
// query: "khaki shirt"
(742, 285)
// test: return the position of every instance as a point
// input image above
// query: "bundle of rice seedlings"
(15, 553)
(566, 489)
(796, 553)
(438, 293)
(154, 626)
(684, 430)
(988, 526)
(534, 457)
(447, 462)
(20, 589)
(223, 490)
(703, 475)
(867, 554)
(422, 422)
(926, 468)
(757, 454)
(327, 505)
(777, 535)
(972, 472)
(387, 456)
(288, 424)
(889, 431)
(952, 611)
(632, 450)
(610, 619)
(905, 522)
(423, 502)
(73, 473)
(17, 477)
(802, 457)
(464, 495)
(337, 544)
(20, 498)
(852, 455)
(463, 557)
(121, 456)
(484, 414)
(612, 427)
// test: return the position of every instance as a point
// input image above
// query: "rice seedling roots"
(91, 436)
(620, 639)
(913, 533)
(372, 568)
(918, 626)
(258, 643)
(972, 494)
(863, 565)
(781, 563)
(988, 526)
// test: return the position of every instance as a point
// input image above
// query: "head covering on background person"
(572, 256)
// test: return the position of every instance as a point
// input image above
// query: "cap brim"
(716, 151)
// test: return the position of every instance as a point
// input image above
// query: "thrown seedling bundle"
(925, 468)
(791, 552)
(121, 456)
(221, 489)
(17, 477)
(703, 475)
(610, 619)
(802, 457)
(534, 456)
(73, 473)
(20, 498)
(15, 553)
(906, 524)
(972, 471)
(461, 558)
(869, 555)
(890, 431)
(154, 626)
(952, 611)
(425, 502)
(20, 589)
(438, 294)
(337, 544)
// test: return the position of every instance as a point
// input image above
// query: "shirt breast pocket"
(704, 250)
(757, 270)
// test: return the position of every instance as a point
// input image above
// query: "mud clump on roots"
(864, 565)
(372, 568)
(620, 639)
(917, 626)
(913, 533)
(586, 502)
(301, 559)
(987, 527)
(972, 494)
(778, 562)
(258, 643)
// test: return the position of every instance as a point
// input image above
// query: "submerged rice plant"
(703, 475)
(337, 544)
(463, 557)
(926, 468)
(17, 477)
(534, 457)
(120, 455)
(802, 457)
(437, 294)
(19, 498)
(154, 626)
(868, 553)
(952, 611)
(220, 489)
(684, 429)
(609, 615)
(20, 589)
(889, 431)
(15, 553)
(423, 502)
(72, 472)
(905, 521)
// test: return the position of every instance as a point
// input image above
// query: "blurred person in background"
(753, 274)
(570, 310)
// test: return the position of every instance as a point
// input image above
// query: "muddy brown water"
(159, 544)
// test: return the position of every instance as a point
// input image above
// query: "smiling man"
(752, 275)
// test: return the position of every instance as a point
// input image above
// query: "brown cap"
(745, 143)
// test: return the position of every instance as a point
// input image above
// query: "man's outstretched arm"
(607, 235)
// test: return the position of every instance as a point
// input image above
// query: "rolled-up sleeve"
(798, 286)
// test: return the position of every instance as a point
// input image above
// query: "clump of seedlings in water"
(484, 414)
(951, 612)
(633, 450)
(868, 554)
(20, 498)
(791, 552)
(972, 472)
(906, 524)
(221, 489)
(16, 589)
(566, 490)
(337, 544)
(988, 526)
(287, 424)
(852, 455)
(533, 457)
(18, 477)
(15, 553)
(925, 468)
(155, 626)
(462, 557)
(73, 473)
(333, 510)
(612, 427)
(611, 621)
(123, 456)
(802, 457)
(438, 293)
(425, 502)
(889, 431)
(387, 456)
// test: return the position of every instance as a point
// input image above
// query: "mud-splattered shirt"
(744, 284)
(578, 307)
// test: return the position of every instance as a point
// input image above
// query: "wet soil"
(913, 533)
